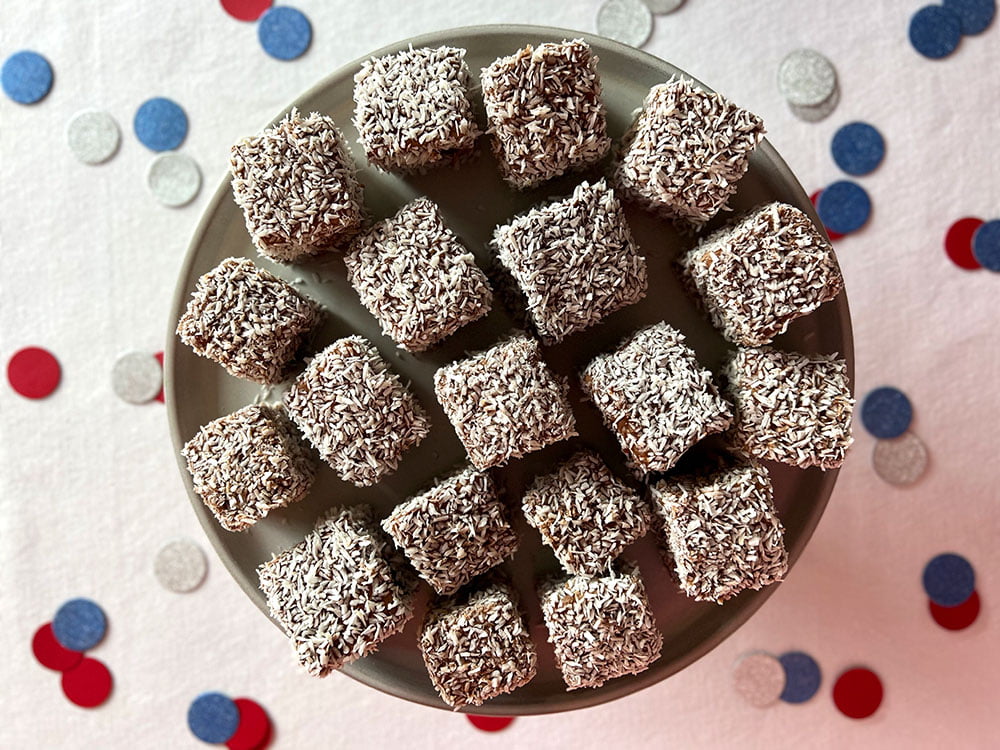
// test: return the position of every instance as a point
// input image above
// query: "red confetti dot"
(254, 730)
(33, 372)
(88, 684)
(52, 654)
(956, 618)
(958, 242)
(832, 235)
(858, 693)
(159, 358)
(245, 10)
(490, 723)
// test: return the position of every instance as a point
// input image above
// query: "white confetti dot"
(820, 111)
(92, 136)
(806, 78)
(900, 461)
(662, 7)
(173, 179)
(136, 377)
(180, 566)
(626, 21)
(759, 678)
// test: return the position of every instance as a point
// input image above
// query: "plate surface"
(474, 200)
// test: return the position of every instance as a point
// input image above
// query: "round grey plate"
(474, 200)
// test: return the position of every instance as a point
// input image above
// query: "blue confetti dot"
(802, 677)
(986, 245)
(26, 77)
(79, 625)
(284, 33)
(213, 717)
(858, 148)
(935, 31)
(160, 124)
(886, 412)
(974, 15)
(844, 207)
(949, 580)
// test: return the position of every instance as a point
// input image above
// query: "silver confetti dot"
(759, 678)
(900, 461)
(626, 21)
(137, 377)
(92, 136)
(662, 7)
(806, 78)
(820, 111)
(173, 179)
(180, 566)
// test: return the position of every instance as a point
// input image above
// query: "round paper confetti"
(88, 684)
(254, 727)
(625, 21)
(50, 653)
(958, 242)
(814, 198)
(79, 624)
(759, 678)
(949, 579)
(806, 78)
(886, 412)
(136, 377)
(213, 717)
(956, 618)
(844, 207)
(160, 124)
(26, 77)
(33, 372)
(901, 460)
(284, 33)
(986, 245)
(490, 723)
(93, 136)
(858, 148)
(173, 179)
(180, 566)
(819, 112)
(975, 16)
(858, 693)
(802, 677)
(246, 10)
(935, 31)
(159, 358)
(662, 7)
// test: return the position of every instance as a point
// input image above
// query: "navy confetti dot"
(160, 124)
(858, 148)
(935, 31)
(949, 580)
(26, 77)
(974, 15)
(213, 717)
(844, 207)
(284, 33)
(79, 624)
(802, 677)
(986, 245)
(886, 412)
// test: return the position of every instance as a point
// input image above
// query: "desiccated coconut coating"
(505, 402)
(355, 411)
(545, 112)
(683, 155)
(454, 532)
(655, 397)
(790, 407)
(601, 628)
(758, 275)
(585, 514)
(297, 187)
(248, 320)
(248, 463)
(416, 277)
(337, 593)
(412, 108)
(574, 260)
(722, 531)
(477, 649)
